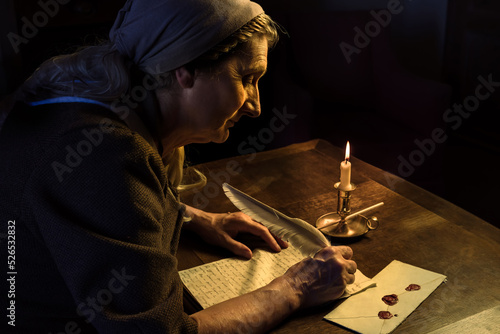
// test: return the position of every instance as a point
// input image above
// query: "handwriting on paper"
(218, 281)
(215, 282)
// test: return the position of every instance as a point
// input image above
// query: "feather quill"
(299, 233)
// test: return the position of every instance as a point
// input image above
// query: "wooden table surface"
(416, 227)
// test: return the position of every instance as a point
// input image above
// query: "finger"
(262, 232)
(281, 242)
(238, 248)
(351, 267)
(345, 251)
(350, 278)
(332, 252)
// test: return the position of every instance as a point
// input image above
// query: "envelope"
(400, 289)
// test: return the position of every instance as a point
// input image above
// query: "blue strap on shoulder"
(68, 99)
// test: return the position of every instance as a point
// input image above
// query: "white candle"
(345, 171)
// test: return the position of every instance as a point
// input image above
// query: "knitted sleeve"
(104, 210)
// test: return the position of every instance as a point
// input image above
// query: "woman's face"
(215, 102)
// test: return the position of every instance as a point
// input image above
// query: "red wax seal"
(390, 299)
(412, 287)
(385, 315)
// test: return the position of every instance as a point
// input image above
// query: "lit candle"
(345, 170)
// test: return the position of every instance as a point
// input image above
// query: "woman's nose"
(252, 104)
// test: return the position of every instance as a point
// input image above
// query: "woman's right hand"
(323, 278)
(312, 281)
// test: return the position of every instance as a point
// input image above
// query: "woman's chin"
(222, 137)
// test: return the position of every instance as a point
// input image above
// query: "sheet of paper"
(218, 281)
(361, 311)
(361, 283)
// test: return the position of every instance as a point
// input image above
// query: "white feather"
(299, 233)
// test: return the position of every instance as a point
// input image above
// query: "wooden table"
(416, 227)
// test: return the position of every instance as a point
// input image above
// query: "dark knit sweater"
(96, 225)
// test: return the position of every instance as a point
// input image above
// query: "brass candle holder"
(343, 224)
(344, 200)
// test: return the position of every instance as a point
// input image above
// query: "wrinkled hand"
(220, 229)
(324, 277)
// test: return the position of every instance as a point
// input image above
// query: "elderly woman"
(91, 165)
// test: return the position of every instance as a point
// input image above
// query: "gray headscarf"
(162, 35)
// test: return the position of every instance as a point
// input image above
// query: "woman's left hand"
(220, 229)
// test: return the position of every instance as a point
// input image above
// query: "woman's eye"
(248, 80)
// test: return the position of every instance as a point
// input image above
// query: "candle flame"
(347, 151)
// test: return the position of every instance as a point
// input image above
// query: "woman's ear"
(184, 77)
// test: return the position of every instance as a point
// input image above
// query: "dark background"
(392, 94)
